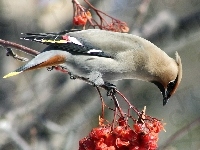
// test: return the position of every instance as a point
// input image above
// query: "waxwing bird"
(103, 56)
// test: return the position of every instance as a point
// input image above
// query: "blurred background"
(46, 110)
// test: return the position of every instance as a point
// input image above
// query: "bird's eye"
(171, 84)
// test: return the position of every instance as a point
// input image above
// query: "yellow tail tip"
(11, 74)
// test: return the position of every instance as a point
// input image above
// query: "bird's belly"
(109, 68)
(84, 65)
(106, 75)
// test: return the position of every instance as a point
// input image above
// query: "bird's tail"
(18, 71)
(45, 59)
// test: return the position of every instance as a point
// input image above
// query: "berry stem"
(102, 103)
(127, 101)
(19, 47)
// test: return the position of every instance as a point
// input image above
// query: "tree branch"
(19, 47)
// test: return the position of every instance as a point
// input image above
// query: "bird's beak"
(166, 96)
(166, 92)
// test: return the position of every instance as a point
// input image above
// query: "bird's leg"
(73, 77)
(50, 68)
(64, 69)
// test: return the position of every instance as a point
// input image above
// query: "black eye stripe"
(172, 84)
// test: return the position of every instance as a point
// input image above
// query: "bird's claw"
(111, 88)
(71, 76)
(50, 68)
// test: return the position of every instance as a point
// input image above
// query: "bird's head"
(168, 87)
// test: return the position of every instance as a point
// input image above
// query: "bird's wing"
(65, 42)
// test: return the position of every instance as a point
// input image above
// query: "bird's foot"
(111, 88)
(50, 68)
(71, 76)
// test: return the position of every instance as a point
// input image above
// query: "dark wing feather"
(57, 42)
(54, 33)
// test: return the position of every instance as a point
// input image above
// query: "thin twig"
(127, 101)
(102, 103)
(78, 4)
(117, 24)
(117, 104)
(114, 118)
(19, 47)
(15, 56)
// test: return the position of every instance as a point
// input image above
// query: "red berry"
(122, 121)
(111, 148)
(100, 145)
(134, 147)
(153, 145)
(129, 135)
(118, 130)
(120, 143)
(143, 136)
(80, 20)
(138, 127)
(101, 132)
(110, 140)
(86, 144)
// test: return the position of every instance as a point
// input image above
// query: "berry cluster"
(81, 19)
(143, 136)
(116, 26)
(105, 22)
